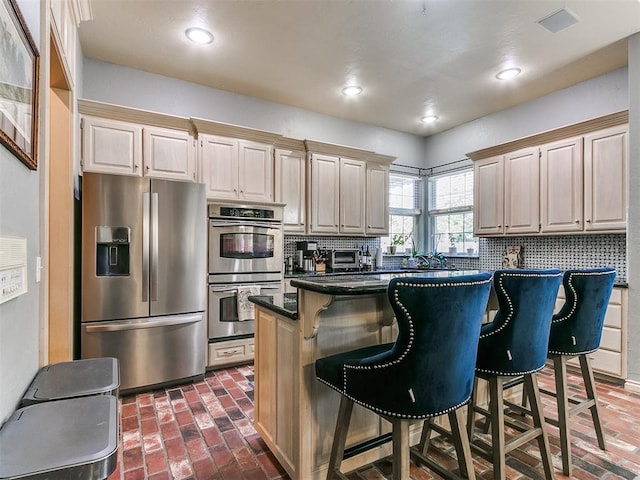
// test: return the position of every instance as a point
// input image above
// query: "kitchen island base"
(294, 413)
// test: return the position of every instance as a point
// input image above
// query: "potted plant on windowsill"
(452, 244)
(397, 239)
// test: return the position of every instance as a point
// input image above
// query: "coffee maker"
(304, 255)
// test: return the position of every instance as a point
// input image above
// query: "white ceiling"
(411, 57)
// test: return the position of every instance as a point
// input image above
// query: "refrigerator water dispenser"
(112, 251)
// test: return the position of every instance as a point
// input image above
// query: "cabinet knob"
(148, 168)
(588, 221)
(577, 221)
(135, 166)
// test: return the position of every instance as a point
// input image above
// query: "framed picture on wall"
(18, 85)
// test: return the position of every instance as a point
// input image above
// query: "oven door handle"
(234, 289)
(271, 226)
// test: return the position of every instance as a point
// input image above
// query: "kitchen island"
(294, 413)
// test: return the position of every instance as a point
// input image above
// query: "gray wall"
(19, 217)
(633, 235)
(110, 83)
(593, 98)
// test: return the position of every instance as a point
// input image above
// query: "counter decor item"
(513, 257)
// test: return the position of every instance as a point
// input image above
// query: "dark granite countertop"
(365, 284)
(285, 304)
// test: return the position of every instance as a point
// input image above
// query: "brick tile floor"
(204, 431)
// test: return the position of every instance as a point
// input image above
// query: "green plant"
(399, 239)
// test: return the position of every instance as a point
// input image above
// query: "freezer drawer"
(151, 350)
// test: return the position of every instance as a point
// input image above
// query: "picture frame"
(19, 93)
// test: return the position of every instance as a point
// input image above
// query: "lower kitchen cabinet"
(231, 352)
(611, 358)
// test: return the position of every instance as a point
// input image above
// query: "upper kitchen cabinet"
(125, 141)
(569, 180)
(377, 206)
(352, 196)
(169, 154)
(111, 146)
(506, 194)
(66, 15)
(522, 191)
(290, 183)
(349, 190)
(325, 194)
(561, 186)
(488, 196)
(236, 162)
(605, 179)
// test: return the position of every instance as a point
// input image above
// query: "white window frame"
(415, 211)
(468, 241)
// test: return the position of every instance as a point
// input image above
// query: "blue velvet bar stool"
(575, 332)
(427, 372)
(514, 345)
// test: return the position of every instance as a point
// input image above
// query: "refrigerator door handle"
(115, 326)
(145, 246)
(154, 246)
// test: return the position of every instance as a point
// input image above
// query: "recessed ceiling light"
(352, 91)
(508, 73)
(429, 118)
(199, 35)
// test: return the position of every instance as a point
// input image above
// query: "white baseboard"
(632, 385)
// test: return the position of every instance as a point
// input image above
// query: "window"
(451, 214)
(404, 211)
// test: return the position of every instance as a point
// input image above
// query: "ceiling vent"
(559, 20)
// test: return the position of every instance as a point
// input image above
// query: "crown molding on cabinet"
(126, 114)
(338, 150)
(202, 125)
(289, 144)
(576, 129)
(381, 159)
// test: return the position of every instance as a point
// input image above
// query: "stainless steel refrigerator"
(144, 267)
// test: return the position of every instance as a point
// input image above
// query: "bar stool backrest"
(516, 341)
(577, 327)
(430, 368)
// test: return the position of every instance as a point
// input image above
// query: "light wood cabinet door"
(522, 191)
(325, 193)
(219, 163)
(377, 205)
(606, 179)
(352, 196)
(488, 210)
(169, 154)
(290, 188)
(255, 171)
(111, 146)
(561, 205)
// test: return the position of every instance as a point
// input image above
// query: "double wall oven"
(245, 252)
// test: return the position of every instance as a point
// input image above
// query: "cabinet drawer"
(611, 339)
(604, 361)
(226, 352)
(613, 316)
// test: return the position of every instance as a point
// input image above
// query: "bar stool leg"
(401, 456)
(471, 414)
(589, 384)
(425, 437)
(496, 409)
(533, 393)
(562, 396)
(340, 438)
(461, 442)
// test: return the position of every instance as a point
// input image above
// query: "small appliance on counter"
(304, 255)
(343, 259)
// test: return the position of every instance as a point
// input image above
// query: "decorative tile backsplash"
(563, 252)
